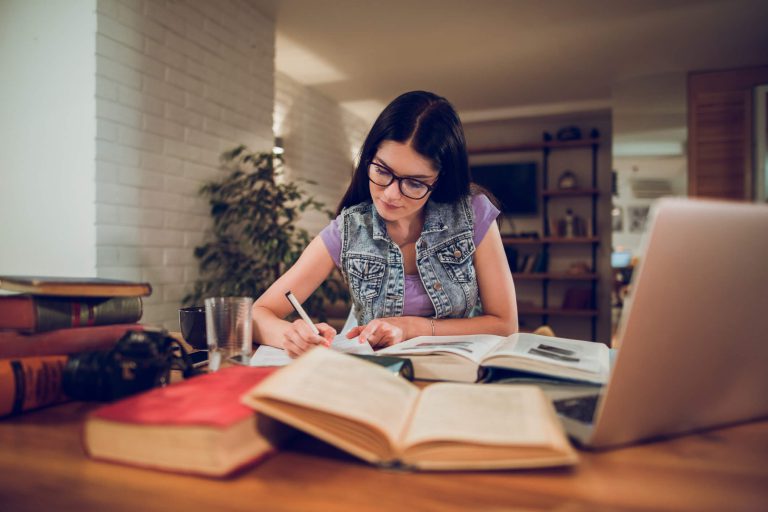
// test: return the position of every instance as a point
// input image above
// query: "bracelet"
(432, 323)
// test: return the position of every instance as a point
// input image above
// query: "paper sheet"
(271, 356)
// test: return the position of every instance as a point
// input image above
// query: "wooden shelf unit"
(549, 241)
(533, 146)
(554, 276)
(535, 310)
(577, 192)
(513, 240)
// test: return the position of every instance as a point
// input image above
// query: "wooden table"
(42, 467)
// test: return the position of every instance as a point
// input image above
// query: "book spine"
(31, 314)
(59, 313)
(14, 344)
(74, 286)
(541, 262)
(30, 383)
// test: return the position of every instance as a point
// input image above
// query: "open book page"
(322, 383)
(472, 347)
(575, 358)
(343, 344)
(484, 426)
(267, 355)
(490, 413)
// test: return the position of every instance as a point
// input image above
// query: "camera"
(140, 360)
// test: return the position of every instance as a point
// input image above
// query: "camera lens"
(140, 360)
(84, 377)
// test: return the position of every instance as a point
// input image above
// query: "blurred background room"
(114, 113)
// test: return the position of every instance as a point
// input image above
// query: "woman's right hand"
(299, 337)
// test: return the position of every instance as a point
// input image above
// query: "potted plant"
(255, 237)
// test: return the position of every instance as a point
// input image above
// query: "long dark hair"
(432, 126)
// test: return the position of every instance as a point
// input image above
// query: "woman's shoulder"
(482, 206)
(358, 216)
(357, 209)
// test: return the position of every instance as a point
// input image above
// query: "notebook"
(692, 340)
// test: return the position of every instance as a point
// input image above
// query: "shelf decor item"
(578, 268)
(569, 133)
(569, 226)
(567, 180)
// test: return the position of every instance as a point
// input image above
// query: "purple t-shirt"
(415, 300)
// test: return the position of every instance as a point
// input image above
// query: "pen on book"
(300, 310)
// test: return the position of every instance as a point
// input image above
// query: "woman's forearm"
(268, 329)
(413, 326)
(483, 324)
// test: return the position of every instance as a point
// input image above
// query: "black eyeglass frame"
(400, 180)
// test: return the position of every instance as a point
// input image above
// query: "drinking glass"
(228, 324)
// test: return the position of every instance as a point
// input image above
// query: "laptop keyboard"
(581, 408)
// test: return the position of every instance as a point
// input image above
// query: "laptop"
(693, 337)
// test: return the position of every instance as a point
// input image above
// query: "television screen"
(513, 184)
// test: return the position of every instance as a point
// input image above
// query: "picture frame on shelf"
(637, 218)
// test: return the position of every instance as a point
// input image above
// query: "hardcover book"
(386, 421)
(62, 341)
(74, 286)
(28, 383)
(30, 313)
(195, 426)
(464, 358)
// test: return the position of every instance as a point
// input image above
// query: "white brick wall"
(177, 83)
(321, 142)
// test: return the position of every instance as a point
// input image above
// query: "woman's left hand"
(380, 332)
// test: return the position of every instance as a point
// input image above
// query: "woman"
(419, 252)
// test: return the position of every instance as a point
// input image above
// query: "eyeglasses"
(409, 187)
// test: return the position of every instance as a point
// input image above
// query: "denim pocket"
(365, 273)
(456, 258)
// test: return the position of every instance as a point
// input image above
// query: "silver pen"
(300, 310)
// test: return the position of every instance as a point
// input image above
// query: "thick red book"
(62, 341)
(31, 313)
(194, 426)
(28, 383)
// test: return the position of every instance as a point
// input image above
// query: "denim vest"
(372, 263)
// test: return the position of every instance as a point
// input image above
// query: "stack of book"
(48, 319)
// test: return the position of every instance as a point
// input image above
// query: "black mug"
(192, 323)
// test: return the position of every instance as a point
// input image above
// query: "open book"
(467, 358)
(387, 421)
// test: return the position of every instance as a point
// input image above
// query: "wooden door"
(721, 132)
